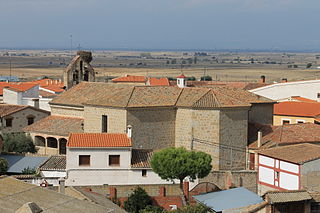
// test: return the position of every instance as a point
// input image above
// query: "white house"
(308, 89)
(107, 158)
(292, 167)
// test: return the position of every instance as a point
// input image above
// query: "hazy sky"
(161, 24)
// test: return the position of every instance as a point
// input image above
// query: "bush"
(206, 78)
(3, 166)
(29, 171)
(137, 201)
(192, 209)
(192, 78)
(152, 209)
(18, 142)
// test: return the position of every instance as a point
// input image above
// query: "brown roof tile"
(287, 134)
(299, 153)
(98, 140)
(7, 109)
(56, 125)
(141, 158)
(287, 196)
(114, 95)
(54, 163)
(130, 78)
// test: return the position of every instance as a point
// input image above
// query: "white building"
(107, 158)
(292, 167)
(308, 89)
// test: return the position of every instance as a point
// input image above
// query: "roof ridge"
(178, 98)
(213, 95)
(133, 89)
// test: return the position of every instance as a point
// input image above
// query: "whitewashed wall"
(12, 97)
(99, 173)
(307, 89)
(288, 173)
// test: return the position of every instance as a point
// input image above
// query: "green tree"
(3, 166)
(179, 163)
(309, 65)
(152, 209)
(137, 201)
(206, 78)
(18, 142)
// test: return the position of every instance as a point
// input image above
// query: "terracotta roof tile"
(288, 134)
(20, 87)
(115, 95)
(7, 109)
(56, 125)
(54, 163)
(98, 140)
(287, 196)
(302, 99)
(141, 158)
(45, 94)
(293, 108)
(159, 82)
(131, 78)
(299, 153)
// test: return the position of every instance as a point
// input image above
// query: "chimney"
(62, 183)
(284, 80)
(259, 139)
(129, 131)
(36, 103)
(263, 79)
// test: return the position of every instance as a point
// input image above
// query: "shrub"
(3, 166)
(137, 201)
(18, 142)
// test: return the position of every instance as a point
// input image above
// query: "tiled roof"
(54, 163)
(98, 140)
(56, 125)
(302, 99)
(285, 134)
(181, 76)
(141, 158)
(115, 95)
(293, 108)
(287, 196)
(20, 87)
(130, 78)
(45, 94)
(7, 109)
(159, 82)
(299, 153)
(50, 84)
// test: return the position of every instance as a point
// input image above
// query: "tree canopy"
(18, 142)
(3, 166)
(137, 201)
(179, 163)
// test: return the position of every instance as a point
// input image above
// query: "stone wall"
(233, 135)
(67, 111)
(227, 179)
(152, 128)
(310, 174)
(261, 113)
(117, 119)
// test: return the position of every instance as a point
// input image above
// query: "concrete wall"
(31, 93)
(20, 119)
(310, 173)
(233, 136)
(99, 172)
(67, 111)
(152, 128)
(261, 113)
(117, 118)
(277, 119)
(43, 103)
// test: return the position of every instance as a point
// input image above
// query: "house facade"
(107, 158)
(292, 167)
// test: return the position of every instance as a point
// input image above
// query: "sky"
(161, 24)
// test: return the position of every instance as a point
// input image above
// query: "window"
(276, 175)
(104, 123)
(9, 122)
(84, 160)
(285, 122)
(30, 120)
(114, 160)
(144, 173)
(318, 95)
(300, 121)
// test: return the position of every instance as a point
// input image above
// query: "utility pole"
(10, 68)
(71, 46)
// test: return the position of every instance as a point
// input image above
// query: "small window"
(300, 122)
(114, 160)
(318, 95)
(30, 120)
(9, 122)
(104, 123)
(276, 175)
(84, 160)
(144, 173)
(285, 122)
